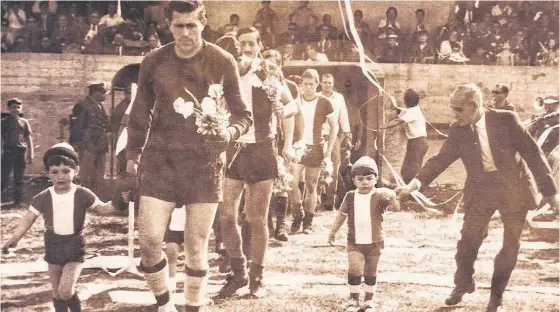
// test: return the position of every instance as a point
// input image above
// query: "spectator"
(291, 36)
(164, 33)
(499, 97)
(209, 34)
(267, 17)
(451, 50)
(156, 11)
(391, 52)
(520, 48)
(423, 51)
(233, 24)
(116, 47)
(496, 39)
(81, 25)
(111, 19)
(6, 41)
(390, 22)
(73, 13)
(46, 19)
(333, 31)
(549, 55)
(16, 17)
(63, 35)
(501, 12)
(288, 52)
(364, 32)
(132, 32)
(154, 44)
(267, 40)
(94, 30)
(314, 56)
(420, 24)
(351, 53)
(32, 32)
(302, 16)
(21, 45)
(52, 6)
(45, 45)
(470, 41)
(325, 44)
(480, 57)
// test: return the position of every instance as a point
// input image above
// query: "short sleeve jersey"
(64, 214)
(415, 122)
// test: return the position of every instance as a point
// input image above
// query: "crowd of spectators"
(481, 32)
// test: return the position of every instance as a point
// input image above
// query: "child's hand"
(332, 238)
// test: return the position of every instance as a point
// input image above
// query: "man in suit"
(487, 142)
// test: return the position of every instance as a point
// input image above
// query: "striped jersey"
(315, 113)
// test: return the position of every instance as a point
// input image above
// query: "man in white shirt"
(417, 143)
(489, 142)
(344, 138)
(112, 19)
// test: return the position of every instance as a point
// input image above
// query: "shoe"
(351, 305)
(308, 230)
(296, 224)
(368, 306)
(256, 286)
(495, 305)
(233, 283)
(457, 294)
(281, 235)
(168, 307)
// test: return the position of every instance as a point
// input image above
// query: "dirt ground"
(306, 274)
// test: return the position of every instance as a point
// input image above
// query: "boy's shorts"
(63, 249)
(254, 162)
(368, 250)
(183, 177)
(177, 237)
(314, 156)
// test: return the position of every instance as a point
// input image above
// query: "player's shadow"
(25, 301)
(448, 309)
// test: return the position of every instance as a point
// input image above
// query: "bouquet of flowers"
(282, 183)
(270, 80)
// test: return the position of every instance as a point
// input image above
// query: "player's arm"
(241, 118)
(29, 140)
(333, 133)
(26, 222)
(392, 123)
(340, 218)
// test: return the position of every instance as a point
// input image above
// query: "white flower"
(208, 106)
(215, 90)
(184, 108)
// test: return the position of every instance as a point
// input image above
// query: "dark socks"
(74, 303)
(60, 305)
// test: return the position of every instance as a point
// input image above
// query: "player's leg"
(198, 226)
(172, 251)
(55, 273)
(153, 221)
(67, 287)
(370, 271)
(355, 272)
(310, 200)
(231, 235)
(258, 201)
(295, 198)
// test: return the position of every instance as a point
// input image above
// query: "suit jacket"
(506, 137)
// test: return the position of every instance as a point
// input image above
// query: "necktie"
(44, 21)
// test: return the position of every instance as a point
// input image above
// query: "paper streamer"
(123, 137)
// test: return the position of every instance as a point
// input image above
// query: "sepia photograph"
(280, 156)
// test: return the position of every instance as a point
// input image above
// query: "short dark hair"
(411, 98)
(14, 101)
(187, 6)
(249, 30)
(57, 160)
(233, 15)
(420, 11)
(393, 9)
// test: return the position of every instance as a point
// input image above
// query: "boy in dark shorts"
(364, 209)
(64, 240)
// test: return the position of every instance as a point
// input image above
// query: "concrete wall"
(50, 84)
(437, 12)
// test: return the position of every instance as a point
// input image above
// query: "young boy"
(16, 141)
(174, 239)
(364, 208)
(63, 206)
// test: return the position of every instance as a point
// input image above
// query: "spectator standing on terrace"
(232, 26)
(16, 17)
(291, 36)
(496, 39)
(390, 22)
(489, 143)
(520, 48)
(94, 31)
(420, 15)
(325, 44)
(46, 18)
(112, 18)
(32, 32)
(363, 29)
(267, 17)
(333, 31)
(73, 12)
(501, 12)
(302, 16)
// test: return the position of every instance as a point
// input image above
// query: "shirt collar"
(481, 123)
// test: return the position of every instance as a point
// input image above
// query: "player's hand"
(403, 191)
(218, 143)
(132, 167)
(332, 238)
(553, 202)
